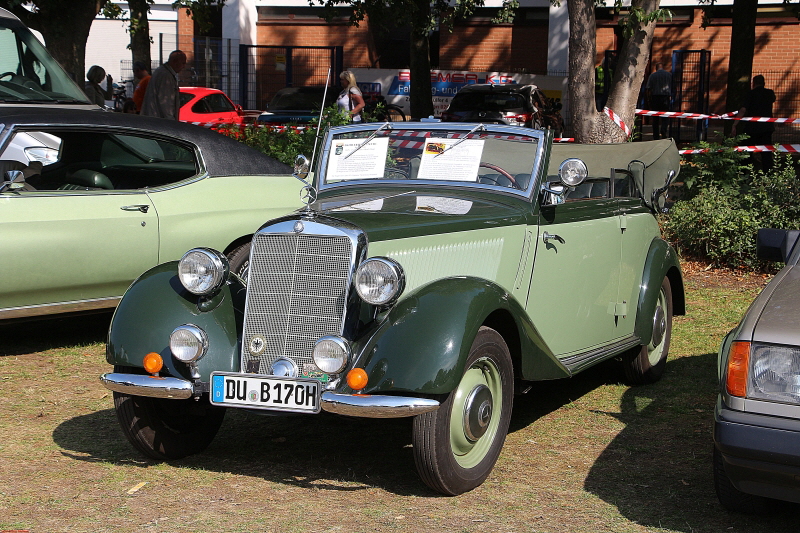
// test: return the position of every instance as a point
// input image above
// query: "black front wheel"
(646, 363)
(239, 260)
(456, 446)
(167, 429)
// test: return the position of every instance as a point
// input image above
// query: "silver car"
(757, 417)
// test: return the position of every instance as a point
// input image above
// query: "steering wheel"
(501, 172)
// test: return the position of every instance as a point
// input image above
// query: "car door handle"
(142, 208)
(547, 237)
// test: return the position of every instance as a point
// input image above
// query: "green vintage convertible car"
(437, 270)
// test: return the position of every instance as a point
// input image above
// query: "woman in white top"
(350, 99)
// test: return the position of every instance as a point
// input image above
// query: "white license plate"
(265, 392)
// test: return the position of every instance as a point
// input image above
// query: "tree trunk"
(65, 25)
(740, 61)
(420, 97)
(582, 50)
(140, 31)
(589, 125)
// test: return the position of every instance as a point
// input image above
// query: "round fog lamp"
(379, 280)
(188, 343)
(203, 270)
(331, 354)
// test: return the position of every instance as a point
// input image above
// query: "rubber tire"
(239, 260)
(165, 429)
(646, 363)
(437, 463)
(732, 498)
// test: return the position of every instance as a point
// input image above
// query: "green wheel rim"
(469, 453)
(655, 351)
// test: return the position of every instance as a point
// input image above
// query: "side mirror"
(301, 168)
(15, 179)
(239, 110)
(776, 244)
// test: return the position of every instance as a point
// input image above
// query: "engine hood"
(386, 215)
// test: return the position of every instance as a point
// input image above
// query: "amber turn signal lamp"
(738, 366)
(153, 363)
(357, 379)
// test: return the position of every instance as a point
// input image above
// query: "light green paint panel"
(214, 212)
(642, 229)
(491, 254)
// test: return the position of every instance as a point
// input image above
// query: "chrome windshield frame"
(536, 159)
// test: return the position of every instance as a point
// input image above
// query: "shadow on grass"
(31, 336)
(657, 470)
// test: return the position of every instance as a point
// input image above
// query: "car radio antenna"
(319, 122)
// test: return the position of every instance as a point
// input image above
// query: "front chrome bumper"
(362, 405)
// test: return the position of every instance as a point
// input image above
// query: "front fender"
(422, 343)
(661, 262)
(156, 303)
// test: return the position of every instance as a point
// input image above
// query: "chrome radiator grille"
(296, 293)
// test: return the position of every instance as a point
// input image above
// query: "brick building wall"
(494, 47)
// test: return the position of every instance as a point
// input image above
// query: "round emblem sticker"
(257, 345)
(253, 396)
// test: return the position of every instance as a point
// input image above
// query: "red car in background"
(209, 106)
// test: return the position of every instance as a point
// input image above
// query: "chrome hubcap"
(477, 412)
(659, 326)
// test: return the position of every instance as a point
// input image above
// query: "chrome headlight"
(331, 354)
(203, 270)
(188, 343)
(775, 373)
(379, 280)
(572, 172)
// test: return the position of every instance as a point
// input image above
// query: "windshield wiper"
(479, 127)
(368, 139)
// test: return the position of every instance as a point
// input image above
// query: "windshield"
(28, 74)
(483, 155)
(300, 98)
(487, 101)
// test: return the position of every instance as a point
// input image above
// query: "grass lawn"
(583, 455)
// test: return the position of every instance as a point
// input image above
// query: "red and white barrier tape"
(725, 116)
(617, 120)
(786, 148)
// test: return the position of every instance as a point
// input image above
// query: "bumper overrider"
(360, 405)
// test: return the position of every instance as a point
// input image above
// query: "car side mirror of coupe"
(15, 179)
(776, 244)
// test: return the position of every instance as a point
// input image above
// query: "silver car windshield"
(491, 156)
(28, 74)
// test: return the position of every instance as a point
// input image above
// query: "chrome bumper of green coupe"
(364, 405)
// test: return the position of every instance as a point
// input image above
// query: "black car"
(297, 105)
(512, 104)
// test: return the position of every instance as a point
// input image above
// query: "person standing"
(142, 75)
(659, 89)
(94, 76)
(162, 97)
(758, 103)
(350, 99)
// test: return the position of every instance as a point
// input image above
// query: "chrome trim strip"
(376, 406)
(150, 386)
(60, 307)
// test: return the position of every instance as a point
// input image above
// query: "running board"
(576, 363)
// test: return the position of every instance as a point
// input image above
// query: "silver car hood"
(779, 320)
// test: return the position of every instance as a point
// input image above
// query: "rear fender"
(156, 303)
(661, 262)
(422, 343)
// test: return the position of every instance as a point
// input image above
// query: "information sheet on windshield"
(450, 159)
(351, 159)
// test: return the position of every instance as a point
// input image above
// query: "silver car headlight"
(331, 354)
(774, 373)
(188, 343)
(379, 280)
(203, 270)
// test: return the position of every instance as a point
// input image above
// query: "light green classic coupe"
(89, 200)
(437, 270)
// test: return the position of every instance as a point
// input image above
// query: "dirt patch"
(702, 274)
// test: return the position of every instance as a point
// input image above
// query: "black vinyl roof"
(222, 155)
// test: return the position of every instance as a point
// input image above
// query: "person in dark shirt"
(758, 103)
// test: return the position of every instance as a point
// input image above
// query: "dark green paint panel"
(661, 261)
(399, 218)
(578, 211)
(422, 343)
(156, 304)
